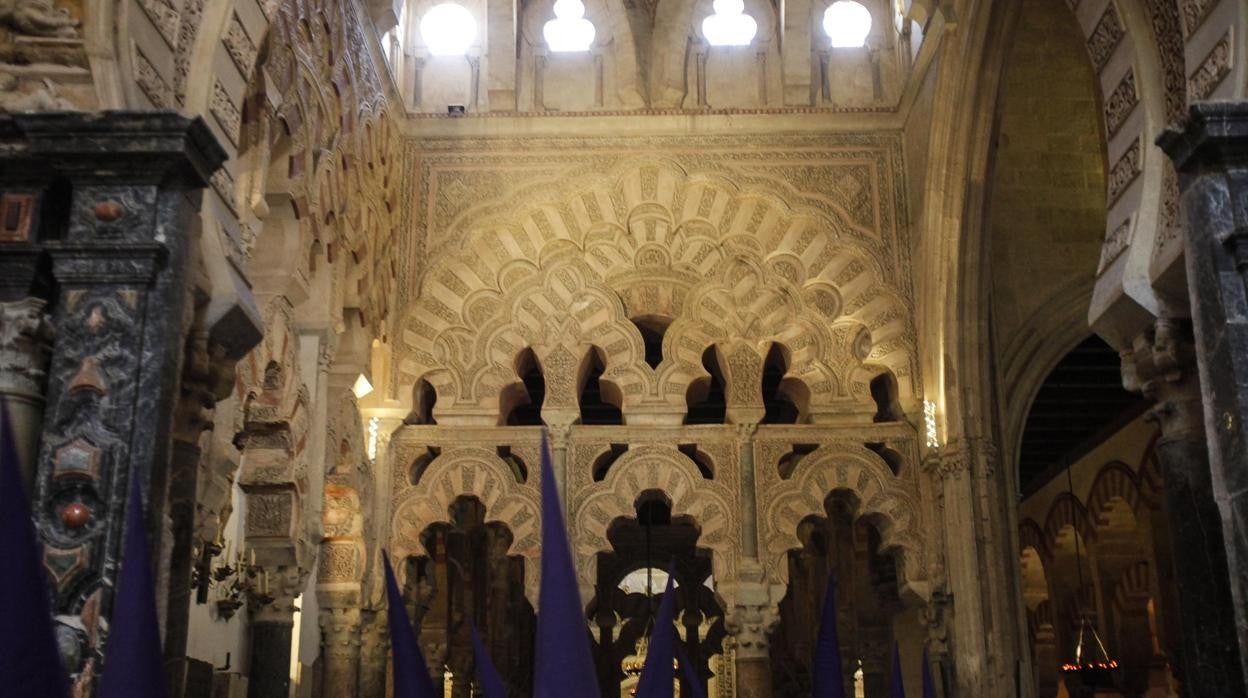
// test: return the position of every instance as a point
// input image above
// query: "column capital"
(964, 454)
(25, 339)
(340, 628)
(1161, 365)
(750, 625)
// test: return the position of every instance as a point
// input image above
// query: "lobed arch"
(474, 472)
(1031, 535)
(882, 500)
(709, 503)
(1114, 481)
(821, 295)
(1067, 510)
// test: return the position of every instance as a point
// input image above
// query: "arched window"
(600, 404)
(424, 398)
(847, 24)
(522, 403)
(569, 31)
(729, 26)
(705, 399)
(448, 29)
(652, 328)
(391, 41)
(884, 394)
(778, 394)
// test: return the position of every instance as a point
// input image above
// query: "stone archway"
(473, 472)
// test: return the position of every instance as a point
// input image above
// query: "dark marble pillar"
(1162, 366)
(102, 207)
(269, 676)
(1210, 152)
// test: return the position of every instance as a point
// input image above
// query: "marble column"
(340, 655)
(1162, 365)
(272, 625)
(25, 338)
(109, 200)
(1210, 153)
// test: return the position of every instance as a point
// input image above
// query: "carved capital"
(340, 629)
(272, 600)
(750, 625)
(1162, 366)
(25, 338)
(746, 431)
(962, 455)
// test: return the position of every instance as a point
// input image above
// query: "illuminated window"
(448, 29)
(390, 44)
(635, 582)
(847, 24)
(729, 26)
(569, 30)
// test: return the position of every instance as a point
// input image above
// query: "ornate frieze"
(150, 80)
(1124, 171)
(225, 111)
(1116, 241)
(239, 45)
(1212, 70)
(1105, 37)
(1120, 103)
(1194, 13)
(1168, 34)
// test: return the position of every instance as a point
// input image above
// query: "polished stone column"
(104, 206)
(1162, 365)
(272, 624)
(25, 338)
(1210, 152)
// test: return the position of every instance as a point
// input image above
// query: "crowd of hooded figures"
(30, 664)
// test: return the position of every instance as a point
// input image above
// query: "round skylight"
(729, 26)
(569, 30)
(448, 29)
(847, 24)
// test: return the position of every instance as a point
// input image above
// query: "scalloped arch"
(661, 468)
(890, 507)
(472, 472)
(648, 237)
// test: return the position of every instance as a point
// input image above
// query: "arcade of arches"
(942, 299)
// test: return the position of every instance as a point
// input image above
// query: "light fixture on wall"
(239, 582)
(847, 24)
(1091, 669)
(448, 29)
(729, 26)
(569, 31)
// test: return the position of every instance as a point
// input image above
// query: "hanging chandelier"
(1092, 668)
